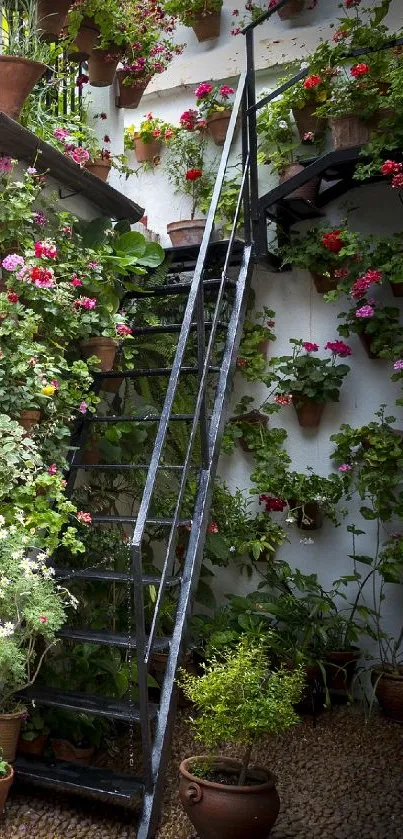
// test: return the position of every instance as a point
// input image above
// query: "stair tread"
(101, 706)
(101, 636)
(179, 288)
(141, 372)
(72, 776)
(172, 327)
(133, 519)
(108, 575)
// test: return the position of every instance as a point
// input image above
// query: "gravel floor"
(340, 780)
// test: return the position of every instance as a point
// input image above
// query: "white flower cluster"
(6, 629)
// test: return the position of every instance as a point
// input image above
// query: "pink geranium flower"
(84, 518)
(203, 90)
(85, 303)
(12, 262)
(345, 467)
(365, 312)
(6, 164)
(309, 347)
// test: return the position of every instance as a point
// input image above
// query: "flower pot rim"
(13, 715)
(194, 222)
(383, 671)
(226, 114)
(10, 774)
(234, 763)
(16, 59)
(100, 339)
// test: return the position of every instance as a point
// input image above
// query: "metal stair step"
(144, 372)
(108, 576)
(75, 778)
(110, 639)
(179, 288)
(119, 466)
(99, 706)
(133, 519)
(171, 327)
(142, 418)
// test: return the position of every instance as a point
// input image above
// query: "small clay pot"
(10, 727)
(207, 25)
(28, 419)
(64, 750)
(100, 168)
(91, 454)
(217, 124)
(389, 692)
(306, 121)
(254, 419)
(292, 9)
(324, 282)
(228, 811)
(112, 385)
(146, 152)
(366, 341)
(18, 77)
(349, 131)
(5, 785)
(32, 747)
(309, 517)
(102, 66)
(104, 348)
(308, 411)
(341, 668)
(308, 191)
(187, 232)
(129, 94)
(84, 42)
(51, 18)
(397, 289)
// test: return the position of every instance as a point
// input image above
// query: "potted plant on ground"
(387, 675)
(146, 140)
(333, 255)
(190, 176)
(6, 781)
(311, 382)
(23, 56)
(378, 327)
(34, 734)
(215, 105)
(203, 16)
(238, 699)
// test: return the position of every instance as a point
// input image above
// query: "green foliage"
(186, 150)
(189, 12)
(252, 354)
(305, 376)
(382, 328)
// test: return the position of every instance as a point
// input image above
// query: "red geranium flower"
(332, 241)
(359, 70)
(194, 174)
(312, 81)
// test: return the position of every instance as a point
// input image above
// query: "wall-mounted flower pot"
(146, 152)
(10, 727)
(51, 18)
(254, 419)
(100, 168)
(308, 411)
(186, 232)
(397, 289)
(218, 123)
(64, 750)
(308, 191)
(349, 131)
(129, 94)
(324, 282)
(227, 810)
(389, 692)
(18, 77)
(207, 25)
(91, 454)
(5, 786)
(291, 10)
(84, 42)
(32, 747)
(102, 66)
(112, 385)
(309, 516)
(28, 419)
(340, 668)
(366, 341)
(104, 348)
(307, 122)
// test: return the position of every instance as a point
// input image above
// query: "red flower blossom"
(363, 283)
(107, 138)
(351, 3)
(241, 362)
(332, 241)
(283, 398)
(123, 330)
(52, 470)
(194, 174)
(359, 70)
(341, 273)
(340, 35)
(390, 167)
(189, 119)
(338, 348)
(12, 297)
(312, 81)
(213, 527)
(81, 80)
(84, 518)
(397, 181)
(43, 619)
(310, 347)
(272, 505)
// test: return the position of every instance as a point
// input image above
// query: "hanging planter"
(207, 25)
(187, 232)
(91, 454)
(218, 123)
(366, 341)
(147, 152)
(349, 131)
(10, 727)
(18, 77)
(308, 411)
(100, 168)
(5, 786)
(388, 685)
(324, 282)
(32, 747)
(340, 668)
(102, 66)
(254, 419)
(130, 94)
(84, 41)
(104, 348)
(51, 18)
(291, 10)
(397, 289)
(306, 122)
(28, 419)
(307, 192)
(66, 751)
(309, 516)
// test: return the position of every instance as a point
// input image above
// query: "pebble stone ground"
(340, 780)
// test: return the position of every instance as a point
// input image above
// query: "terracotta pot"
(225, 811)
(100, 168)
(84, 42)
(292, 9)
(129, 95)
(218, 123)
(397, 289)
(341, 668)
(308, 191)
(306, 121)
(389, 692)
(187, 232)
(206, 26)
(91, 454)
(5, 784)
(51, 18)
(32, 747)
(10, 727)
(366, 341)
(254, 419)
(28, 419)
(324, 282)
(112, 385)
(18, 77)
(349, 131)
(146, 152)
(64, 750)
(104, 348)
(102, 66)
(308, 411)
(309, 518)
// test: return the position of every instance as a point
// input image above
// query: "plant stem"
(245, 764)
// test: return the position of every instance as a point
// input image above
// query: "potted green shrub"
(238, 699)
(203, 16)
(146, 140)
(191, 176)
(329, 254)
(6, 781)
(304, 497)
(215, 105)
(23, 56)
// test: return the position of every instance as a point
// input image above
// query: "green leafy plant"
(378, 323)
(192, 10)
(305, 376)
(252, 354)
(20, 35)
(187, 169)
